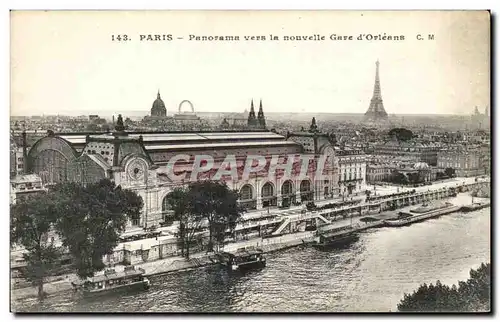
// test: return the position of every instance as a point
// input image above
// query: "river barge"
(336, 241)
(242, 259)
(475, 206)
(421, 213)
(131, 278)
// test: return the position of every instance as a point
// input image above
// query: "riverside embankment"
(173, 264)
(384, 264)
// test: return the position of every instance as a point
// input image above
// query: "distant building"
(16, 158)
(422, 171)
(225, 124)
(188, 118)
(158, 109)
(413, 150)
(383, 172)
(465, 161)
(237, 120)
(259, 121)
(377, 173)
(183, 120)
(24, 186)
(352, 170)
(482, 120)
(16, 162)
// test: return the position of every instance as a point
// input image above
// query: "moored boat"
(131, 278)
(475, 206)
(243, 259)
(340, 240)
(421, 213)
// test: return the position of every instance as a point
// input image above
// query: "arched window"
(167, 212)
(267, 190)
(287, 194)
(305, 186)
(305, 191)
(246, 192)
(247, 197)
(268, 198)
(286, 188)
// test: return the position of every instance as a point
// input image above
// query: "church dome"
(158, 108)
(421, 166)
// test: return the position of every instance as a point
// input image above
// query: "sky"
(65, 62)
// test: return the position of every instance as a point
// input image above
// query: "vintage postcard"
(250, 161)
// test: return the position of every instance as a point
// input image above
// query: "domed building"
(421, 166)
(158, 108)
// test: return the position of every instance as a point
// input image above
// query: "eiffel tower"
(376, 110)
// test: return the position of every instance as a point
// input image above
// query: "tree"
(184, 204)
(31, 222)
(92, 127)
(399, 178)
(413, 177)
(477, 289)
(216, 203)
(440, 175)
(450, 172)
(178, 201)
(401, 134)
(470, 296)
(90, 220)
(105, 128)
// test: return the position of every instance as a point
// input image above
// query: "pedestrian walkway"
(168, 232)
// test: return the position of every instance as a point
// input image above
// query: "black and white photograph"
(243, 161)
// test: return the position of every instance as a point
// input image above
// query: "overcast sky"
(65, 62)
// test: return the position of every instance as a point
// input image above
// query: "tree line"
(473, 295)
(90, 219)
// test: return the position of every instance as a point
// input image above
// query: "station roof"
(179, 137)
(215, 145)
(169, 141)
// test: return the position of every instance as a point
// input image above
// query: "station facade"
(145, 162)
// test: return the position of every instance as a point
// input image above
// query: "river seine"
(371, 275)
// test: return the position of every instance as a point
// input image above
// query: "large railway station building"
(151, 164)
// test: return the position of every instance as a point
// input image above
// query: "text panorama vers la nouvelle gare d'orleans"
(271, 37)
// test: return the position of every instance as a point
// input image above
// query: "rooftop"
(153, 137)
(219, 145)
(25, 178)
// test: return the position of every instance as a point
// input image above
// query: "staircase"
(283, 225)
(326, 221)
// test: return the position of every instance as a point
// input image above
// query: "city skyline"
(70, 65)
(240, 161)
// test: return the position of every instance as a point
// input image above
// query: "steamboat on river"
(326, 242)
(421, 213)
(243, 259)
(131, 278)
